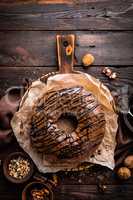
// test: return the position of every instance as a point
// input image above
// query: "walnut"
(124, 173)
(128, 162)
(88, 59)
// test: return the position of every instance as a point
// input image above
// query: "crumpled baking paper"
(20, 121)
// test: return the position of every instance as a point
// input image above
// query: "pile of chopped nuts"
(19, 168)
(40, 194)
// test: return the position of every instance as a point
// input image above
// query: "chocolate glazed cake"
(78, 106)
(66, 117)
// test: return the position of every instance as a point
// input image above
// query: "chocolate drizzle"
(47, 137)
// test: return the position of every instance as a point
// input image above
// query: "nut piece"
(107, 71)
(88, 59)
(128, 162)
(19, 168)
(124, 173)
(113, 75)
(40, 194)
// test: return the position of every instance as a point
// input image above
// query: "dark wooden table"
(28, 48)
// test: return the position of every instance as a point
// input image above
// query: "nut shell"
(128, 162)
(124, 173)
(88, 59)
(113, 75)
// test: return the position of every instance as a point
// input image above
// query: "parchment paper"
(20, 121)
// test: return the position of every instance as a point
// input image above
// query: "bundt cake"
(76, 104)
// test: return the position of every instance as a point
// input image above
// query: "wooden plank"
(117, 193)
(94, 15)
(38, 48)
(13, 76)
(21, 2)
(85, 192)
(78, 192)
(35, 1)
(64, 192)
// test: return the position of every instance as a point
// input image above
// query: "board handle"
(65, 52)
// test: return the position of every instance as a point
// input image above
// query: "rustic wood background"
(28, 49)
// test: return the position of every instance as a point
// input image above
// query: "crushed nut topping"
(40, 194)
(19, 168)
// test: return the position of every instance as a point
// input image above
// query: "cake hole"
(67, 122)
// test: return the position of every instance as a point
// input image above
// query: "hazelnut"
(113, 75)
(88, 59)
(124, 173)
(107, 71)
(128, 162)
(104, 70)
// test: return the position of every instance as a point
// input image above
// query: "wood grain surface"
(95, 15)
(103, 28)
(38, 48)
(13, 76)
